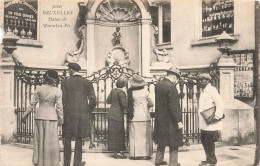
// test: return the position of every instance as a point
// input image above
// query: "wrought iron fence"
(27, 79)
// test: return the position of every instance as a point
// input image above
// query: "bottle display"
(217, 16)
(22, 22)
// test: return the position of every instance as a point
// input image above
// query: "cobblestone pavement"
(188, 156)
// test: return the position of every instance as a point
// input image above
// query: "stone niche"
(103, 19)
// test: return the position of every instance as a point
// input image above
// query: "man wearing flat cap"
(168, 118)
(79, 100)
(209, 99)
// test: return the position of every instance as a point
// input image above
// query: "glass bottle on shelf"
(210, 28)
(230, 25)
(216, 27)
(9, 29)
(23, 33)
(15, 31)
(29, 33)
(220, 25)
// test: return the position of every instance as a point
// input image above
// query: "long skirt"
(46, 150)
(116, 135)
(140, 139)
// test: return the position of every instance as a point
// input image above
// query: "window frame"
(27, 41)
(201, 23)
(160, 23)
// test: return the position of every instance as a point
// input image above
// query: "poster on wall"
(243, 75)
(20, 17)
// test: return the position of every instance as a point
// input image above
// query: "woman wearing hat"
(140, 130)
(47, 118)
(116, 130)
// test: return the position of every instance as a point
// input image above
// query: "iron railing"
(27, 79)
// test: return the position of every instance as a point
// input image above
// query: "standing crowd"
(73, 104)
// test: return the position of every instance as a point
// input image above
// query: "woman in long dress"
(116, 130)
(140, 130)
(46, 150)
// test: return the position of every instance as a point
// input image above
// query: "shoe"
(146, 158)
(204, 162)
(161, 163)
(207, 164)
(91, 146)
(120, 156)
(82, 163)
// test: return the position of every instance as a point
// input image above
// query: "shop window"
(161, 18)
(20, 17)
(217, 16)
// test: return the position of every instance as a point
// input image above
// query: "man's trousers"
(208, 139)
(173, 160)
(77, 153)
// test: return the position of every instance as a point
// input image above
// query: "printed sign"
(20, 17)
(243, 76)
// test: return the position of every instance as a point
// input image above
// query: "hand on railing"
(24, 117)
(180, 125)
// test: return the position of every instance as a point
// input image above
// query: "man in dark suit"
(79, 100)
(168, 118)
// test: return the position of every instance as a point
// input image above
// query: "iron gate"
(27, 79)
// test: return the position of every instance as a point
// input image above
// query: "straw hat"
(137, 81)
(174, 70)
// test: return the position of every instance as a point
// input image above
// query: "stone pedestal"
(7, 109)
(226, 71)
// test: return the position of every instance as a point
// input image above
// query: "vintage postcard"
(124, 82)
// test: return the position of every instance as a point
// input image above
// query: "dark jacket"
(79, 100)
(117, 99)
(168, 114)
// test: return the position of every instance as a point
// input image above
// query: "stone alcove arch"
(93, 5)
(93, 19)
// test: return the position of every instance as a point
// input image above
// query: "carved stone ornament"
(119, 11)
(74, 56)
(118, 54)
(162, 56)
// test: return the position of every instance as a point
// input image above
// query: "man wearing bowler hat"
(168, 118)
(79, 100)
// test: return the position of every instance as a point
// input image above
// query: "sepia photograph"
(129, 83)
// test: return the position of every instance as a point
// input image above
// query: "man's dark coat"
(167, 115)
(79, 100)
